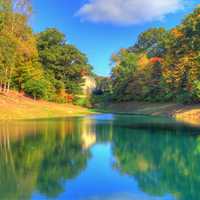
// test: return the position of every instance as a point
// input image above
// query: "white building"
(89, 85)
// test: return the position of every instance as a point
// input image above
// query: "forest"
(41, 65)
(162, 66)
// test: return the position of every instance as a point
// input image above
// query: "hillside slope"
(14, 106)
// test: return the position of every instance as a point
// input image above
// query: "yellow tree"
(18, 52)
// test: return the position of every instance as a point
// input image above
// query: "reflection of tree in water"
(161, 161)
(64, 160)
(41, 161)
(41, 156)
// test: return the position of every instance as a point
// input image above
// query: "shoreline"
(16, 107)
(47, 117)
(189, 114)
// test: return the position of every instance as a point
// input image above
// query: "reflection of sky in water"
(127, 196)
(101, 178)
(104, 117)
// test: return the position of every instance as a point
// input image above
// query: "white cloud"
(127, 12)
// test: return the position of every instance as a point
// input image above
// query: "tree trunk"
(8, 87)
(4, 87)
(0, 86)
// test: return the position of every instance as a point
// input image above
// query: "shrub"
(59, 99)
(196, 91)
(82, 101)
(184, 97)
(38, 89)
(59, 87)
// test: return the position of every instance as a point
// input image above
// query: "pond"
(100, 157)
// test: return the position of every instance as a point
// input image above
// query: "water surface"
(108, 157)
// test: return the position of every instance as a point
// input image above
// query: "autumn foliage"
(163, 65)
(42, 65)
(155, 60)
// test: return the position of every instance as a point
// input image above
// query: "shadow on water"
(42, 156)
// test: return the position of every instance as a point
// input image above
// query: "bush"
(59, 87)
(38, 89)
(101, 100)
(184, 97)
(59, 99)
(82, 101)
(196, 91)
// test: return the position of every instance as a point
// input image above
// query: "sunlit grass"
(191, 116)
(20, 107)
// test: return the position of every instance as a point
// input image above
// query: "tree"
(182, 63)
(7, 61)
(167, 65)
(153, 42)
(27, 62)
(37, 89)
(65, 61)
(123, 71)
(155, 88)
(19, 58)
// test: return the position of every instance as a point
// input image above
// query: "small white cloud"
(127, 12)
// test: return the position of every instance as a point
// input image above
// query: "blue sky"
(101, 27)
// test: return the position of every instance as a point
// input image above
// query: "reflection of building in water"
(88, 139)
(88, 134)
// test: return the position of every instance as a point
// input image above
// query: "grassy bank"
(14, 106)
(186, 113)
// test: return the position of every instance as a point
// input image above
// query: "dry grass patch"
(14, 106)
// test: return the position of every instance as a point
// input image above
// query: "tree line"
(42, 65)
(163, 65)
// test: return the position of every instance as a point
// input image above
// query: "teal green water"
(100, 157)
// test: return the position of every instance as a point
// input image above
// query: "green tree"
(38, 89)
(125, 65)
(153, 42)
(65, 61)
